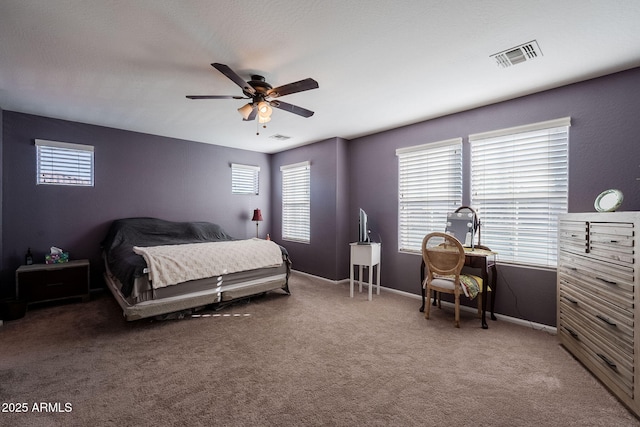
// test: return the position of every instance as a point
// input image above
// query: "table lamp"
(257, 216)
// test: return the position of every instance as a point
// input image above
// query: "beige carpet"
(314, 358)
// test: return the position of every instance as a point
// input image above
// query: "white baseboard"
(533, 325)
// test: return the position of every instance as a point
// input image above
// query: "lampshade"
(246, 110)
(263, 119)
(264, 109)
(257, 215)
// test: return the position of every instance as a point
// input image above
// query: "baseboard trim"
(527, 323)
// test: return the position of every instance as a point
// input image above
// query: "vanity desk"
(483, 259)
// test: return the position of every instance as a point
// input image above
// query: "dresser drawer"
(42, 282)
(604, 329)
(602, 311)
(616, 375)
(612, 242)
(603, 281)
(573, 236)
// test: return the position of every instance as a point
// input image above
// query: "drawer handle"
(608, 282)
(55, 284)
(605, 320)
(573, 334)
(571, 300)
(607, 361)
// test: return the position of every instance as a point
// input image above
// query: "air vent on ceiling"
(280, 137)
(518, 54)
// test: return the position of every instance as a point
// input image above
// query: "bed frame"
(127, 275)
(197, 293)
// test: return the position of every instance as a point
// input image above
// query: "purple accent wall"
(327, 254)
(604, 152)
(135, 175)
(1, 194)
(145, 175)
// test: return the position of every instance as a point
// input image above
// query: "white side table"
(365, 255)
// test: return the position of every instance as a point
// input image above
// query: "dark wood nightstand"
(50, 282)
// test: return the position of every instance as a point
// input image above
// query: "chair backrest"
(442, 254)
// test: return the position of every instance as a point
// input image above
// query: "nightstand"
(50, 282)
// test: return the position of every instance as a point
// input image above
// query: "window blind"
(519, 186)
(296, 202)
(245, 179)
(62, 163)
(430, 186)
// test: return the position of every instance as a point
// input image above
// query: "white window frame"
(519, 186)
(429, 187)
(296, 202)
(245, 179)
(64, 163)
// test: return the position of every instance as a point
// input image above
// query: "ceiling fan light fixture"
(260, 93)
(263, 119)
(246, 110)
(264, 110)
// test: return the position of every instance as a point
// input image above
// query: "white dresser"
(598, 297)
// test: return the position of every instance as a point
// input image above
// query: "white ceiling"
(380, 64)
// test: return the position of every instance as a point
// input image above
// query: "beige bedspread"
(173, 264)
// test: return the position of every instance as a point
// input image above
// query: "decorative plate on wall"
(608, 200)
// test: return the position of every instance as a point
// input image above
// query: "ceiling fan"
(262, 95)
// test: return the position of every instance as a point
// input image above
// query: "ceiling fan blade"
(291, 108)
(246, 87)
(215, 97)
(302, 85)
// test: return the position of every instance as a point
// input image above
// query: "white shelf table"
(365, 255)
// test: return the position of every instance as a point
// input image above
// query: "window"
(62, 163)
(430, 186)
(519, 187)
(244, 179)
(296, 202)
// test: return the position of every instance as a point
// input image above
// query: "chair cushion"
(443, 282)
(471, 285)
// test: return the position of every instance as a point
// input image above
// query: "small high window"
(63, 163)
(245, 179)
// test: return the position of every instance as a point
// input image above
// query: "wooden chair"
(444, 258)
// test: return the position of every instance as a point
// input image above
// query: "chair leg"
(457, 318)
(428, 304)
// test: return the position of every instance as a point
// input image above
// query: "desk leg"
(351, 280)
(494, 276)
(360, 278)
(378, 278)
(485, 281)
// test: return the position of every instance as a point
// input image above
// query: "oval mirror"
(608, 201)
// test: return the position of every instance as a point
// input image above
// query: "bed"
(155, 267)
